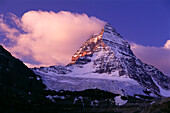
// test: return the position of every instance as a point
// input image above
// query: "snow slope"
(115, 85)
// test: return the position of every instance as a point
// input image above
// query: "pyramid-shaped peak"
(93, 44)
(110, 29)
(111, 35)
(108, 26)
(108, 40)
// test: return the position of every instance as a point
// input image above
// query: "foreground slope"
(19, 86)
(159, 106)
(107, 56)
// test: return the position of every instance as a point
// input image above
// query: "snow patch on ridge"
(119, 101)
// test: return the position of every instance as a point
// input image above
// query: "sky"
(144, 23)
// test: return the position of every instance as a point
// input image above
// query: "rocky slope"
(108, 56)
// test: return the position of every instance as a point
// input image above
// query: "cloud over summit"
(48, 38)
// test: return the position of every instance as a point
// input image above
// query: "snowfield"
(117, 85)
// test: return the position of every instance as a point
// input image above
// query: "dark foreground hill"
(19, 86)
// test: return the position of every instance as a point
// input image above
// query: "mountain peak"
(108, 39)
(93, 44)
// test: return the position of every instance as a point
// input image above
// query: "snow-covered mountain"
(106, 62)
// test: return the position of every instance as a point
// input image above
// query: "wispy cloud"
(48, 38)
(156, 56)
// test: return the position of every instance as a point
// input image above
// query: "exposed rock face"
(108, 53)
(89, 47)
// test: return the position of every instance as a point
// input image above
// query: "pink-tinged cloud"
(156, 56)
(48, 38)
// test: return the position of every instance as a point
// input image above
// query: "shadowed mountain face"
(19, 86)
(108, 54)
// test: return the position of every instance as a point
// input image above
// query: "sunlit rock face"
(109, 55)
(92, 45)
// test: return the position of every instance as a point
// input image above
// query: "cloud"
(47, 38)
(167, 45)
(156, 56)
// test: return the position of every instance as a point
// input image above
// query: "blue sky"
(145, 22)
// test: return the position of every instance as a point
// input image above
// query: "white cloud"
(48, 38)
(167, 44)
(156, 56)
